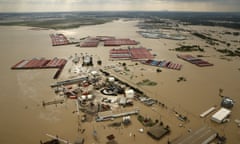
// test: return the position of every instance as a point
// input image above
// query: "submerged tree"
(99, 62)
(158, 70)
(220, 92)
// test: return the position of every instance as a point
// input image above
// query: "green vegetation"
(115, 124)
(126, 69)
(236, 33)
(148, 122)
(181, 79)
(209, 40)
(99, 62)
(124, 64)
(228, 52)
(158, 70)
(146, 82)
(64, 23)
(189, 48)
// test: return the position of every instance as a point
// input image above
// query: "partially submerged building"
(197, 61)
(119, 42)
(90, 43)
(58, 39)
(221, 115)
(138, 53)
(120, 54)
(87, 61)
(129, 93)
(157, 132)
(227, 102)
(42, 63)
(163, 64)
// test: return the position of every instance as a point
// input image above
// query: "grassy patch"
(228, 52)
(148, 122)
(181, 79)
(209, 40)
(146, 82)
(190, 48)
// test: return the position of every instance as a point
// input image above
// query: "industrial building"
(220, 115)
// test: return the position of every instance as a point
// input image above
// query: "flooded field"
(24, 120)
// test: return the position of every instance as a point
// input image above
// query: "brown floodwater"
(24, 120)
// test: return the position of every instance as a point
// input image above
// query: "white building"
(111, 79)
(129, 93)
(94, 73)
(220, 115)
(123, 101)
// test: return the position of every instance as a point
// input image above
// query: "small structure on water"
(204, 114)
(221, 115)
(157, 132)
(87, 61)
(126, 120)
(227, 102)
(60, 39)
(129, 93)
(76, 59)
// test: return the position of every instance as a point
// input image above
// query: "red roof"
(58, 39)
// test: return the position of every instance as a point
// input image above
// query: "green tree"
(159, 70)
